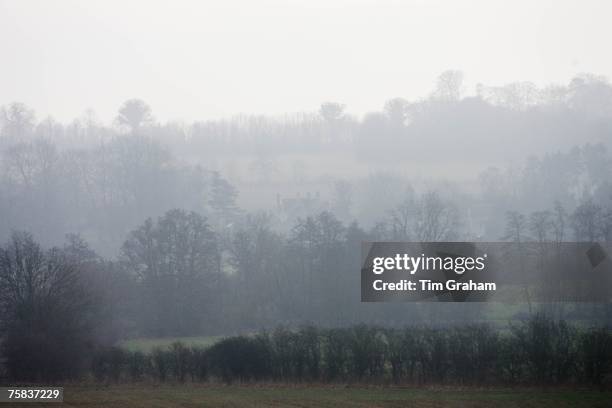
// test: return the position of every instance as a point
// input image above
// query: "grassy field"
(192, 396)
(146, 345)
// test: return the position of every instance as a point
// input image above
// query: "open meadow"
(191, 396)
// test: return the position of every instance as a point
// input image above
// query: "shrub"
(240, 358)
(538, 350)
(108, 364)
(596, 355)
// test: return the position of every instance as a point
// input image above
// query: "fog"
(194, 60)
(185, 168)
(514, 147)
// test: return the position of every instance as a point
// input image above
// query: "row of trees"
(103, 191)
(539, 351)
(177, 263)
(495, 122)
(105, 187)
(177, 276)
(106, 191)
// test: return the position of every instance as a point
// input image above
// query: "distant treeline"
(101, 180)
(539, 351)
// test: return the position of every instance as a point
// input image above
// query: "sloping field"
(146, 345)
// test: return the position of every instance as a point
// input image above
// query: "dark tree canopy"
(177, 260)
(45, 308)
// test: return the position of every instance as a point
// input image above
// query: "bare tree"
(332, 111)
(398, 110)
(402, 218)
(516, 227)
(435, 219)
(134, 113)
(541, 225)
(44, 311)
(516, 234)
(256, 251)
(586, 221)
(177, 261)
(559, 221)
(17, 121)
(449, 86)
(222, 197)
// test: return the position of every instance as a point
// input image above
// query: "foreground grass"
(154, 396)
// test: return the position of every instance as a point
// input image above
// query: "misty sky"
(208, 59)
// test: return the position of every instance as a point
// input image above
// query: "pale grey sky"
(209, 59)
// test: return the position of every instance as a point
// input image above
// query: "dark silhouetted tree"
(177, 261)
(45, 308)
